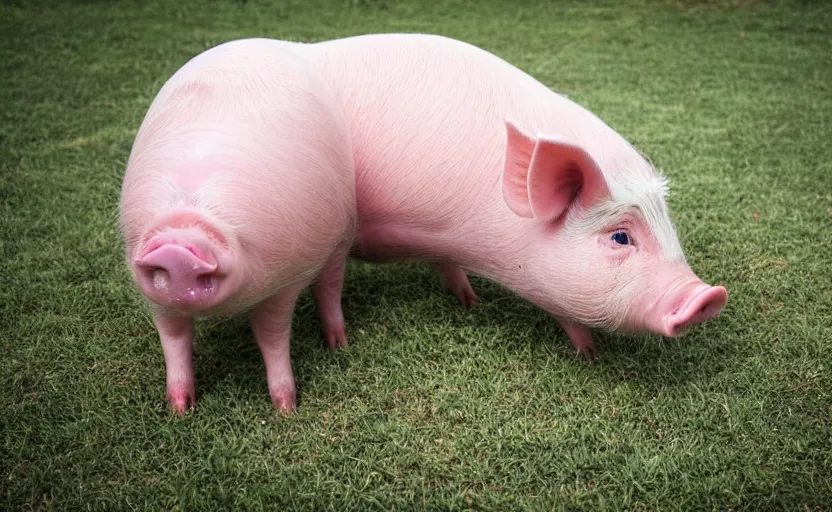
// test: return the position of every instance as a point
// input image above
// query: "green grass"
(431, 407)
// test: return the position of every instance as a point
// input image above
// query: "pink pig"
(463, 160)
(239, 191)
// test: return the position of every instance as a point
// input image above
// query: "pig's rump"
(248, 138)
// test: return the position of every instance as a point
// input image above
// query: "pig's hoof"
(336, 336)
(464, 293)
(181, 400)
(580, 336)
(285, 400)
(588, 353)
(467, 297)
(455, 280)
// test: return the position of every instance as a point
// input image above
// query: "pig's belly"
(388, 242)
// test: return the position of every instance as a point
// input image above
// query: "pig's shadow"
(227, 353)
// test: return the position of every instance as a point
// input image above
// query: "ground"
(432, 407)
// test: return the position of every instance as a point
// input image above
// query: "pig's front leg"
(327, 293)
(455, 280)
(581, 338)
(177, 336)
(271, 323)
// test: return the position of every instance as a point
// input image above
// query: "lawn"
(431, 407)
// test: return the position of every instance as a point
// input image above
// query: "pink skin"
(327, 293)
(185, 265)
(581, 338)
(271, 322)
(456, 282)
(467, 162)
(177, 335)
(239, 191)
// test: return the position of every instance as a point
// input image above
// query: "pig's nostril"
(205, 282)
(160, 278)
(678, 329)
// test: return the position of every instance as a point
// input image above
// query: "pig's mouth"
(703, 303)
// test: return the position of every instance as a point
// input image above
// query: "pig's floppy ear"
(542, 177)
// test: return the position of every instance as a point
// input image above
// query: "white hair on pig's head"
(635, 185)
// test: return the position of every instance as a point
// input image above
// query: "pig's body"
(532, 204)
(238, 192)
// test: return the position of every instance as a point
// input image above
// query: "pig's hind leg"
(177, 336)
(271, 323)
(455, 280)
(327, 293)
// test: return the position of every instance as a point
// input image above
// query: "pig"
(465, 161)
(239, 193)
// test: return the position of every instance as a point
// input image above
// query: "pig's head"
(598, 245)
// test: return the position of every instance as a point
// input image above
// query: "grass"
(432, 407)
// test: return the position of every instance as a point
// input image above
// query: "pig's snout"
(697, 306)
(178, 277)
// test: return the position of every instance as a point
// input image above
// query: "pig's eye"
(620, 237)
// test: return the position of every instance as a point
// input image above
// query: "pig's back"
(427, 118)
(247, 81)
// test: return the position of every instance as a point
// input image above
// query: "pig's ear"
(519, 151)
(542, 177)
